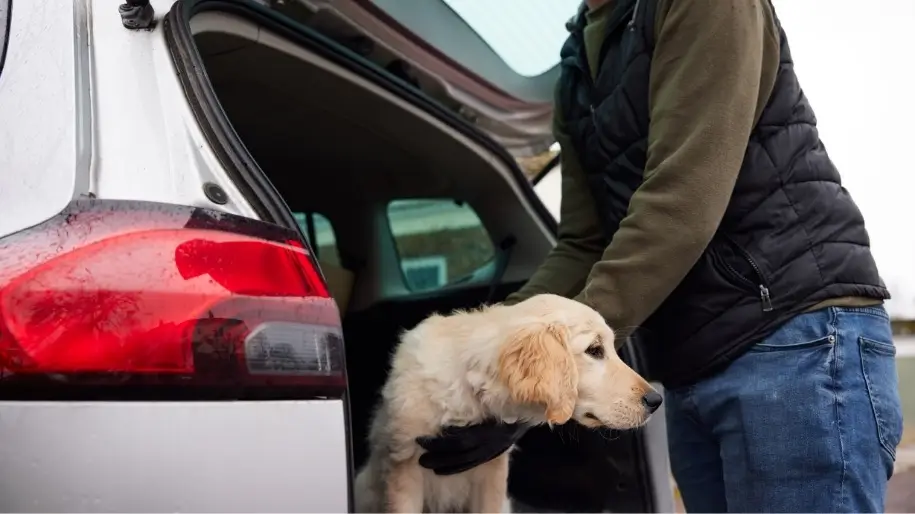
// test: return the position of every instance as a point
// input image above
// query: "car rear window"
(439, 241)
(525, 34)
(320, 234)
(512, 44)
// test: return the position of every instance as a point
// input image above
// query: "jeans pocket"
(808, 344)
(808, 331)
(878, 361)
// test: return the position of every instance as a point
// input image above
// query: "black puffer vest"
(791, 237)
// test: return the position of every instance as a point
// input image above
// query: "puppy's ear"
(537, 367)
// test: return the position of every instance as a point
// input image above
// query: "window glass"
(512, 44)
(325, 244)
(526, 34)
(439, 242)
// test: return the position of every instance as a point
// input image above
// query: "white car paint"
(98, 109)
(44, 97)
(172, 457)
(91, 107)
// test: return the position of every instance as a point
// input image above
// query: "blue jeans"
(807, 420)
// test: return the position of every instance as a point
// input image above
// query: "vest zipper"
(635, 15)
(764, 296)
(766, 299)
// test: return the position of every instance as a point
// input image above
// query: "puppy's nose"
(652, 400)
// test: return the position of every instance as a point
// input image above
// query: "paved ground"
(901, 494)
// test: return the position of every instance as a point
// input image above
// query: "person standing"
(699, 204)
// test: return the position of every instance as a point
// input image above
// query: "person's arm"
(579, 240)
(713, 69)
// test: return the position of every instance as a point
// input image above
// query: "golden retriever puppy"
(545, 360)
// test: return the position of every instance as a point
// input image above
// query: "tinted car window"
(439, 241)
(325, 243)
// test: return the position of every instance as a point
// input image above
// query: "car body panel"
(99, 111)
(44, 104)
(54, 75)
(279, 456)
(153, 148)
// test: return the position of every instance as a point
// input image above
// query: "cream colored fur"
(528, 362)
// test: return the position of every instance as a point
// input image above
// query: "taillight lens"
(110, 292)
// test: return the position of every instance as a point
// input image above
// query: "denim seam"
(836, 364)
(867, 311)
(878, 420)
(884, 348)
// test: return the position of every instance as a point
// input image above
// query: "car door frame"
(655, 432)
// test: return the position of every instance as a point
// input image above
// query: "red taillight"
(280, 271)
(198, 303)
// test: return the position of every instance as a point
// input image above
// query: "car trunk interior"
(332, 144)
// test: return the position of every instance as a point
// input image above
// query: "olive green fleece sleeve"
(580, 240)
(713, 69)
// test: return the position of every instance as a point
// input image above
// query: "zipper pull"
(766, 299)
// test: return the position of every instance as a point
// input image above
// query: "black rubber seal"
(222, 136)
(6, 20)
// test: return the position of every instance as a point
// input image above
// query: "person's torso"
(790, 238)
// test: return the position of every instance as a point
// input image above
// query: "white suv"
(203, 199)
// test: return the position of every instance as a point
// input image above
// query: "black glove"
(458, 449)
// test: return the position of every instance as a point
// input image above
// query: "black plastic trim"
(5, 24)
(637, 361)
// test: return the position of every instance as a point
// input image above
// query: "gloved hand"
(458, 449)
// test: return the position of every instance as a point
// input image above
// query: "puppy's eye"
(596, 350)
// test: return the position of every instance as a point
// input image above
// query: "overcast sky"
(856, 63)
